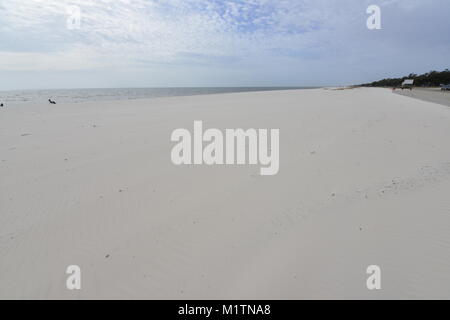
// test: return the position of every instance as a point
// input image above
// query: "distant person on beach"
(1, 105)
(51, 102)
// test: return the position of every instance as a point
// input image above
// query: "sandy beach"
(364, 180)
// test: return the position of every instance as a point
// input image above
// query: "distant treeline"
(430, 79)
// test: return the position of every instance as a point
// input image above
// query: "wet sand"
(434, 95)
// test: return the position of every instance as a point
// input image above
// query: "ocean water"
(85, 95)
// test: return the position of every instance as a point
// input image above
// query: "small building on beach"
(408, 83)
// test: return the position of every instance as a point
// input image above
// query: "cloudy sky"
(159, 43)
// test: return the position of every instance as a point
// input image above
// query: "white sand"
(227, 232)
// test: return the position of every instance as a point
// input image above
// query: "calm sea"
(83, 95)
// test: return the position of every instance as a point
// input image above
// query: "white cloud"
(291, 35)
(161, 30)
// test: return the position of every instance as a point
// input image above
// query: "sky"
(200, 43)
